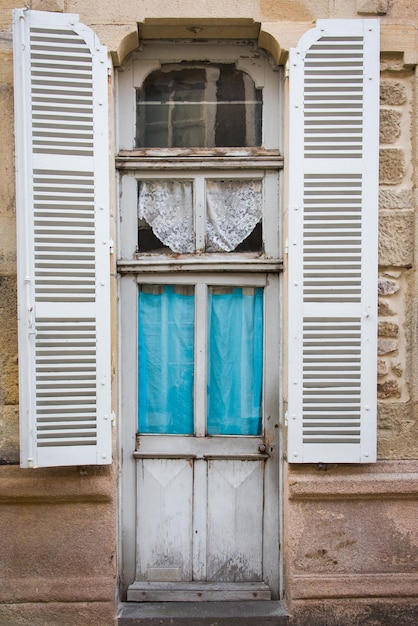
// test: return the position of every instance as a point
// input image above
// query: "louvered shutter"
(63, 240)
(333, 180)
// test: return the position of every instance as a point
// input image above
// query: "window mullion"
(200, 212)
(200, 378)
(271, 225)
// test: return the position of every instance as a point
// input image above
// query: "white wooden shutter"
(333, 169)
(63, 240)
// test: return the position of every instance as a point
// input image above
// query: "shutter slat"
(333, 243)
(64, 326)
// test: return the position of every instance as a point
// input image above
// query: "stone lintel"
(276, 37)
(198, 28)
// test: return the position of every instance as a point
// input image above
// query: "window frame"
(229, 267)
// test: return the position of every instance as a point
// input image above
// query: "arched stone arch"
(275, 38)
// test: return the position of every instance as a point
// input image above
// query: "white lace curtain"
(233, 209)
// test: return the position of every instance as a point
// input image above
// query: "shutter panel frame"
(62, 196)
(333, 179)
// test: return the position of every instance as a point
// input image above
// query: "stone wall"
(9, 423)
(398, 431)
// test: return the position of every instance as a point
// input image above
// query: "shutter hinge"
(286, 69)
(286, 246)
(111, 246)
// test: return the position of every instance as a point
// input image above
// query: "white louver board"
(63, 240)
(333, 170)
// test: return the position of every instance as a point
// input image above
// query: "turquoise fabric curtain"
(166, 359)
(235, 361)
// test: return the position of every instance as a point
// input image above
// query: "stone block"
(392, 61)
(48, 549)
(7, 245)
(386, 346)
(384, 309)
(388, 329)
(6, 58)
(9, 435)
(388, 389)
(391, 199)
(372, 7)
(390, 125)
(337, 535)
(398, 42)
(397, 368)
(396, 238)
(58, 614)
(387, 287)
(56, 6)
(397, 431)
(57, 546)
(8, 341)
(361, 611)
(392, 93)
(391, 166)
(6, 15)
(122, 11)
(382, 367)
(389, 272)
(7, 179)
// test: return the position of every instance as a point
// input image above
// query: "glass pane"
(235, 361)
(166, 207)
(166, 359)
(233, 210)
(196, 105)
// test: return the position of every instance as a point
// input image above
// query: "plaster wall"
(350, 543)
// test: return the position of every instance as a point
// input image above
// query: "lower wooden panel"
(164, 513)
(235, 521)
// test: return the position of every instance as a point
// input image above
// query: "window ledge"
(205, 263)
(198, 158)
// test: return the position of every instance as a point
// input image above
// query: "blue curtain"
(166, 361)
(235, 362)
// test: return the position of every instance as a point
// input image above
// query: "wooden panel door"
(207, 504)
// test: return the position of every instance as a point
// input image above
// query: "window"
(216, 214)
(205, 105)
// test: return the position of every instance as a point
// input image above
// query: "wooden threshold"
(196, 592)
